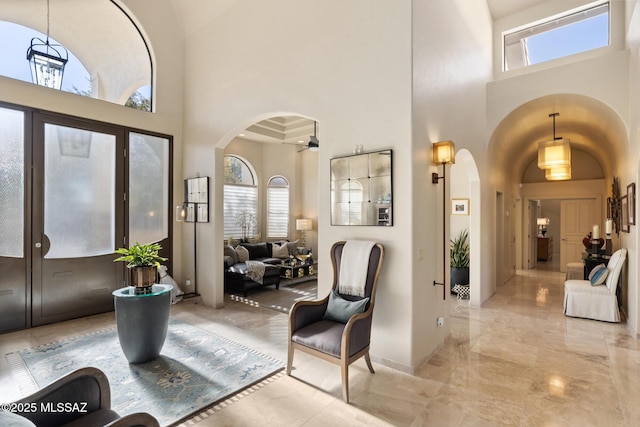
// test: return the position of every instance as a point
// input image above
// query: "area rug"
(280, 299)
(196, 369)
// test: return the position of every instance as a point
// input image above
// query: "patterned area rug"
(196, 369)
(281, 299)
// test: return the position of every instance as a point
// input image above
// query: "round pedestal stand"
(142, 321)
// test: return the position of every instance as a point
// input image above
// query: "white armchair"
(581, 299)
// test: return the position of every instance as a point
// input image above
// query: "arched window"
(278, 208)
(240, 198)
(100, 65)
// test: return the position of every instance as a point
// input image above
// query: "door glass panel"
(148, 188)
(79, 188)
(11, 183)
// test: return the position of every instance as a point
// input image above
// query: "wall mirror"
(196, 193)
(361, 190)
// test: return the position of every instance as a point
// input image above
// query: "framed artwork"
(624, 211)
(631, 203)
(459, 206)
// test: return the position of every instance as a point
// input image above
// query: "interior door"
(14, 285)
(577, 217)
(78, 217)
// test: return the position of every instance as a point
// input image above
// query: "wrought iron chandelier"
(47, 60)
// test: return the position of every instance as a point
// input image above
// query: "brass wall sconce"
(444, 153)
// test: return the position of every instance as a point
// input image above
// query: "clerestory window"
(558, 37)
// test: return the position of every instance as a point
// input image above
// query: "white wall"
(345, 64)
(451, 65)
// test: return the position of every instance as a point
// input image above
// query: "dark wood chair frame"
(304, 313)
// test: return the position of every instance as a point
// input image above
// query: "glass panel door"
(148, 188)
(77, 217)
(13, 263)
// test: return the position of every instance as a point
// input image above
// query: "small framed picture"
(459, 206)
(631, 203)
(624, 213)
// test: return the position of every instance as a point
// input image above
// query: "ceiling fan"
(313, 144)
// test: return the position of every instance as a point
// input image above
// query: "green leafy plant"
(141, 255)
(459, 250)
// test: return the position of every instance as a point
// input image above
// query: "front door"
(77, 217)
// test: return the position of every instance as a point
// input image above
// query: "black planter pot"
(459, 276)
(142, 321)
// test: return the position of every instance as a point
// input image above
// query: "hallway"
(518, 361)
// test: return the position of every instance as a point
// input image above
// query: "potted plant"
(459, 253)
(143, 262)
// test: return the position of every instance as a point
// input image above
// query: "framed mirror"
(361, 189)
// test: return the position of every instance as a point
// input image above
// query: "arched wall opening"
(268, 159)
(465, 184)
(598, 136)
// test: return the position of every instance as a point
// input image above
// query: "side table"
(142, 321)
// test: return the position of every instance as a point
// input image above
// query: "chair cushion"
(598, 275)
(324, 336)
(341, 310)
(584, 287)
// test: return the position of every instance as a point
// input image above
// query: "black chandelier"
(47, 60)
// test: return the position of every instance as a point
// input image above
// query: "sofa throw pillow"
(598, 275)
(231, 253)
(293, 248)
(280, 251)
(243, 253)
(341, 310)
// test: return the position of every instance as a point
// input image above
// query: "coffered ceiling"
(281, 130)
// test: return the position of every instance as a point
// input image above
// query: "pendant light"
(555, 153)
(47, 60)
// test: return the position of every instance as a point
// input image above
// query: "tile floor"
(518, 361)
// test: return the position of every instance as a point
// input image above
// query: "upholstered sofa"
(236, 275)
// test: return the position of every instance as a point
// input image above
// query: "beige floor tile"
(517, 361)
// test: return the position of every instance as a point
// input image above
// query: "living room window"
(278, 208)
(240, 198)
(557, 37)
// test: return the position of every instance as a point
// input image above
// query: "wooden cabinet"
(545, 248)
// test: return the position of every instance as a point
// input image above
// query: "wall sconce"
(303, 225)
(444, 153)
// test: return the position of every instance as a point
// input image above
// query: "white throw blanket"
(354, 266)
(255, 270)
